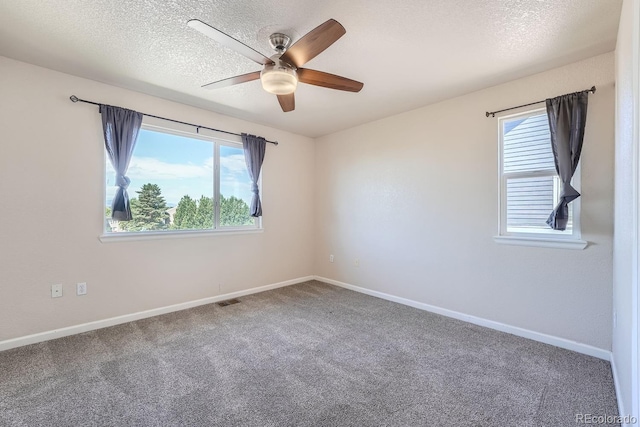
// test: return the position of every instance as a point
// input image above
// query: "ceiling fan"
(282, 72)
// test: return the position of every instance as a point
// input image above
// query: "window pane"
(527, 145)
(530, 201)
(235, 188)
(171, 184)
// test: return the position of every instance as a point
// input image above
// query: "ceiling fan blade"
(233, 80)
(228, 41)
(287, 102)
(313, 43)
(320, 78)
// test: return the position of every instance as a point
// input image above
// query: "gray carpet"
(305, 355)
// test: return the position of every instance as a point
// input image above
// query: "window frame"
(155, 125)
(544, 238)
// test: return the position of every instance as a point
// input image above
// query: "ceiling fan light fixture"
(279, 78)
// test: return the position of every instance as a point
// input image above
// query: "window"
(529, 184)
(182, 182)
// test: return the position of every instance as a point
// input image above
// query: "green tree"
(149, 210)
(204, 214)
(185, 217)
(107, 219)
(131, 225)
(234, 212)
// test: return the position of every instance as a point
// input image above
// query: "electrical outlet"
(81, 288)
(56, 291)
(331, 258)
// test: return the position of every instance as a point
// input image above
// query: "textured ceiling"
(408, 53)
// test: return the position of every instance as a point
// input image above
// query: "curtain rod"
(74, 98)
(493, 113)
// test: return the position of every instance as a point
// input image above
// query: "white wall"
(625, 255)
(388, 193)
(51, 187)
(414, 198)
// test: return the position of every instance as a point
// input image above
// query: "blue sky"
(182, 166)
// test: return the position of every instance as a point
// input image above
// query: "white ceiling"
(408, 53)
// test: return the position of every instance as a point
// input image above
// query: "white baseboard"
(621, 409)
(98, 324)
(90, 326)
(536, 336)
(514, 330)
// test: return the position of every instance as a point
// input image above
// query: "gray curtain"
(567, 117)
(254, 149)
(120, 127)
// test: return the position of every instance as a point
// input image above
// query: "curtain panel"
(121, 128)
(254, 150)
(567, 118)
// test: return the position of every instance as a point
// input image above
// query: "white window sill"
(541, 242)
(158, 235)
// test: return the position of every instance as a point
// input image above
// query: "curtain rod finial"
(487, 113)
(73, 98)
(593, 89)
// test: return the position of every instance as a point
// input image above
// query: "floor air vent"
(228, 302)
